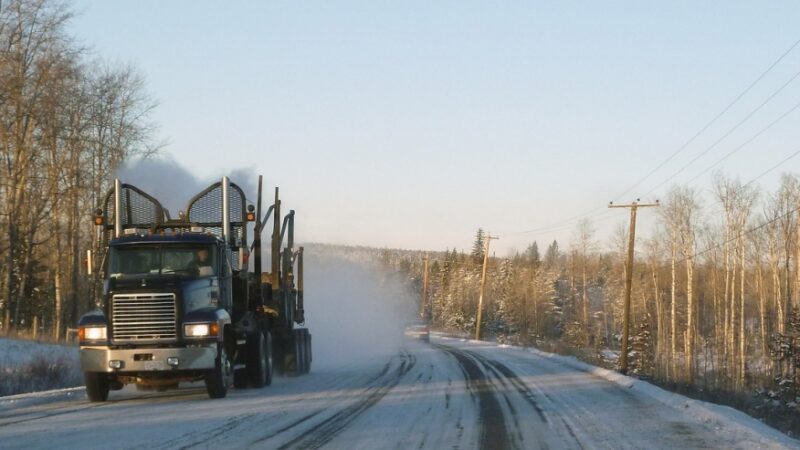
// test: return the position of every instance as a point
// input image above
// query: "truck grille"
(143, 317)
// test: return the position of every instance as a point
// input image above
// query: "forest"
(67, 121)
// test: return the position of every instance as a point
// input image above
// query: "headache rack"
(220, 209)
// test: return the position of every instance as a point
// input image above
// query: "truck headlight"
(198, 330)
(93, 333)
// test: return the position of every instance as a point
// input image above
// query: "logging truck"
(184, 301)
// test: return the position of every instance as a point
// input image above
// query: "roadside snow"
(30, 366)
(726, 420)
(37, 398)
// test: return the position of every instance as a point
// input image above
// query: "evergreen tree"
(552, 255)
(786, 352)
(532, 255)
(477, 247)
(642, 354)
(502, 321)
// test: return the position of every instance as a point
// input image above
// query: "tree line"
(67, 121)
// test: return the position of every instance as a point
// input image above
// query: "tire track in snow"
(526, 392)
(209, 435)
(220, 432)
(493, 431)
(502, 370)
(310, 416)
(327, 430)
(71, 408)
(566, 421)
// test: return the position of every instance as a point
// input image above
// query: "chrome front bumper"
(96, 359)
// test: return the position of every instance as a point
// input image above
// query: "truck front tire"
(221, 377)
(97, 386)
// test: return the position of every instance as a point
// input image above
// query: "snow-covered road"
(449, 394)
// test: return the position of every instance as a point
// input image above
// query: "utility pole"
(424, 287)
(488, 239)
(626, 322)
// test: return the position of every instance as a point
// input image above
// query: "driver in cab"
(201, 264)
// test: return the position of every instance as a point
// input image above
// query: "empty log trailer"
(180, 302)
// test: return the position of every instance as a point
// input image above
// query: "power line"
(741, 235)
(606, 216)
(562, 224)
(729, 132)
(554, 226)
(735, 150)
(566, 224)
(601, 218)
(713, 120)
(783, 161)
(774, 167)
(598, 218)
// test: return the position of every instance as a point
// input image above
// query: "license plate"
(155, 365)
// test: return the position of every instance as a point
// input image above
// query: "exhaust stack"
(276, 246)
(117, 208)
(226, 214)
(257, 233)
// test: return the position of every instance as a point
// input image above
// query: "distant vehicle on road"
(418, 329)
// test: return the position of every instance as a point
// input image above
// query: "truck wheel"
(306, 347)
(270, 360)
(259, 359)
(303, 351)
(300, 352)
(221, 377)
(291, 359)
(96, 386)
(308, 358)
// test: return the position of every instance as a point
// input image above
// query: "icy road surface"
(449, 394)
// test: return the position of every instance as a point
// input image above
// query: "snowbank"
(30, 366)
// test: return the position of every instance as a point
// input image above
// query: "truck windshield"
(189, 261)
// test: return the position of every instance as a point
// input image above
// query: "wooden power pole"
(424, 299)
(626, 321)
(488, 238)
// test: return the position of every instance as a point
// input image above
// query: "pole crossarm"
(634, 205)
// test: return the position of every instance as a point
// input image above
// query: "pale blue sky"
(411, 124)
